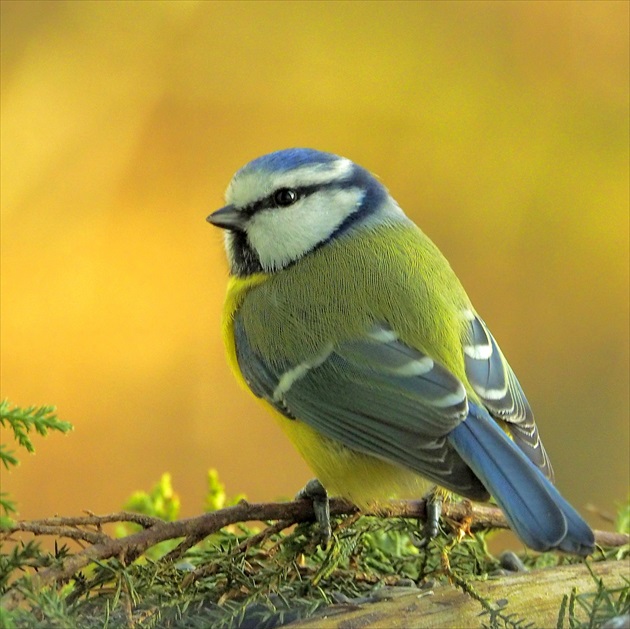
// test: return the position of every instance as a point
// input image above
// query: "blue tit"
(351, 326)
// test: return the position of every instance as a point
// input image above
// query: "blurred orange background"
(501, 128)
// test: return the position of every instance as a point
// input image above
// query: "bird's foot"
(317, 494)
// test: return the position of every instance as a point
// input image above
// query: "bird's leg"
(316, 492)
(434, 500)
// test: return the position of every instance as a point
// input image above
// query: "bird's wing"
(379, 396)
(493, 380)
(375, 395)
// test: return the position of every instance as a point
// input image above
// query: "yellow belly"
(359, 477)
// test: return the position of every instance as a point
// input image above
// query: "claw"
(316, 492)
(463, 529)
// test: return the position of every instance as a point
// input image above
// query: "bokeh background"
(501, 127)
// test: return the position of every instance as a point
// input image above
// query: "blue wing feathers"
(493, 380)
(533, 506)
(362, 397)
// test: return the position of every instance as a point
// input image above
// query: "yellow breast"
(236, 292)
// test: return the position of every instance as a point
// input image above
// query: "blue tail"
(534, 508)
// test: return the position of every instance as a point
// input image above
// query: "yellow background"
(502, 129)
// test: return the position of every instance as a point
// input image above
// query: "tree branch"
(193, 530)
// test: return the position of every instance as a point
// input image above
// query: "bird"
(349, 324)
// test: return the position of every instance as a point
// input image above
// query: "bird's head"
(284, 205)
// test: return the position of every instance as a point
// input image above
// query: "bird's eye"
(285, 197)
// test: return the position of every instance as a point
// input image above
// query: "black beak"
(228, 217)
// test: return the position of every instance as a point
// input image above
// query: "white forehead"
(248, 186)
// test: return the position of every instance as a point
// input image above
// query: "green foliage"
(161, 502)
(22, 421)
(622, 522)
(215, 495)
(595, 608)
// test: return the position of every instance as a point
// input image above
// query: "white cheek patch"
(282, 235)
(248, 187)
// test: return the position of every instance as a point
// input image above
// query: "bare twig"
(40, 527)
(610, 539)
(145, 521)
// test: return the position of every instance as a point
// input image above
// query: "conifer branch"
(467, 515)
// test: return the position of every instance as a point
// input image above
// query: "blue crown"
(288, 159)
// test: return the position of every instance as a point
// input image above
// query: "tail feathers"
(534, 508)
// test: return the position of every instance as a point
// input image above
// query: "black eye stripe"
(269, 202)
